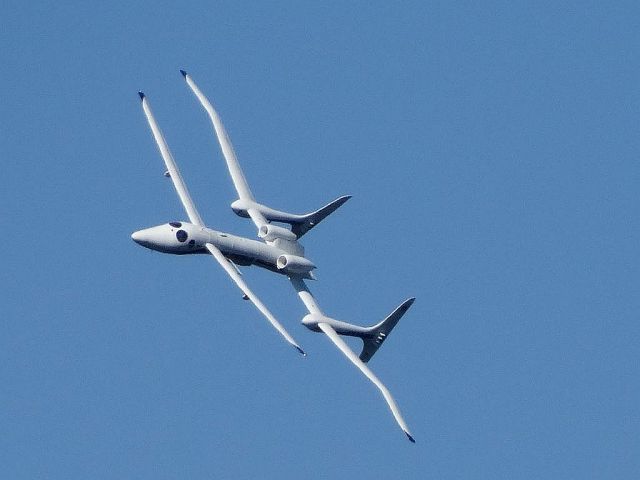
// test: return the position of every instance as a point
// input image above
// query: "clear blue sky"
(493, 154)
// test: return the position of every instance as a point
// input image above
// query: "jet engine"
(270, 233)
(294, 264)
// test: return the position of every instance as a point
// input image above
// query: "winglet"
(184, 74)
(141, 94)
(302, 352)
(409, 436)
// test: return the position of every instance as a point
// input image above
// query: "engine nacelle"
(271, 232)
(294, 264)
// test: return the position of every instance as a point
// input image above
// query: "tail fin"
(377, 334)
(312, 219)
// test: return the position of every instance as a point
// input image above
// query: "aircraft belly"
(245, 251)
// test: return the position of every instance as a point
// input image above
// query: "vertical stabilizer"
(312, 219)
(377, 334)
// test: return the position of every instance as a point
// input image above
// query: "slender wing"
(172, 168)
(225, 144)
(335, 338)
(235, 276)
(258, 218)
(237, 176)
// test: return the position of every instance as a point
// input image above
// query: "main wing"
(194, 217)
(235, 276)
(237, 176)
(335, 338)
(172, 167)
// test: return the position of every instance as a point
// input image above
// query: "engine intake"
(294, 264)
(270, 233)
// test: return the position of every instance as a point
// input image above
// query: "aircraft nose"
(138, 237)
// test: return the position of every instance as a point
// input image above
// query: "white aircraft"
(279, 251)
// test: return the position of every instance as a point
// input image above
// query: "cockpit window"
(181, 235)
(175, 224)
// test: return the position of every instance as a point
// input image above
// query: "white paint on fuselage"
(166, 239)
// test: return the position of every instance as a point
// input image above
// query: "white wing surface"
(235, 276)
(335, 338)
(172, 168)
(237, 176)
(194, 217)
(311, 304)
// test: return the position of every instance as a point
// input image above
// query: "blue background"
(492, 151)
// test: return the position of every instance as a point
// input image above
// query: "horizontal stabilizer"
(378, 333)
(312, 219)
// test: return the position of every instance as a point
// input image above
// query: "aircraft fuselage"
(183, 238)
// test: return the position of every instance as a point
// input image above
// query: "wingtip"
(301, 351)
(184, 74)
(141, 95)
(411, 439)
